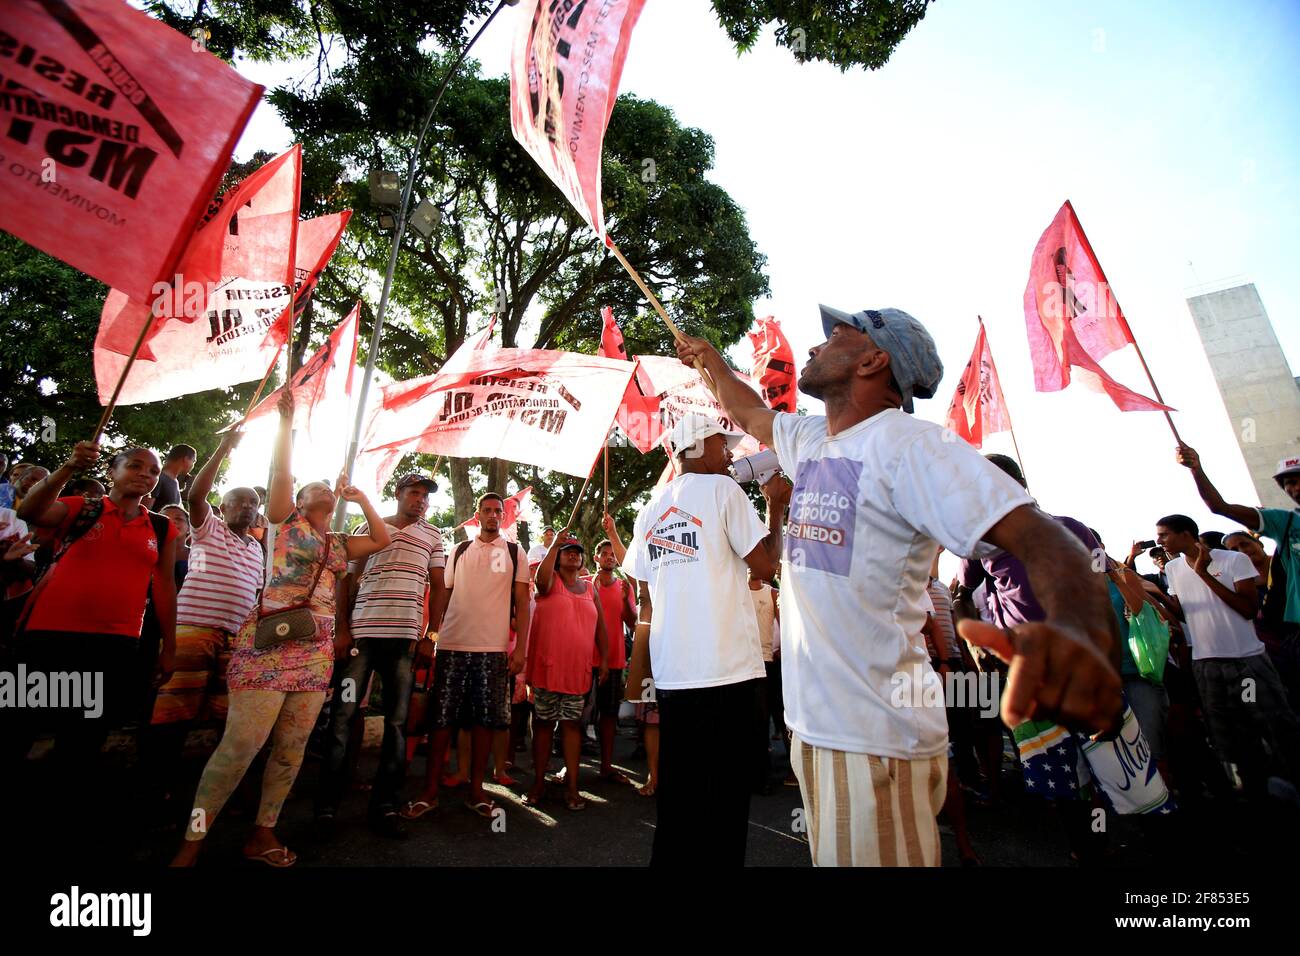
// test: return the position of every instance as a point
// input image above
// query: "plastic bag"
(1148, 641)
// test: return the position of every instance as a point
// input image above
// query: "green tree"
(845, 33)
(510, 244)
(50, 401)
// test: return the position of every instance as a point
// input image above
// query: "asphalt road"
(617, 827)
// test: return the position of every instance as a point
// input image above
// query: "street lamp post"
(398, 232)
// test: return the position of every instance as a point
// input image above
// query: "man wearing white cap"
(876, 492)
(689, 553)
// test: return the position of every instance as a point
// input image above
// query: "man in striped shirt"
(388, 591)
(219, 593)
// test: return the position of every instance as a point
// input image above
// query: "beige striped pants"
(864, 810)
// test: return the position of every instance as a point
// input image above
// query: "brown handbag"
(292, 623)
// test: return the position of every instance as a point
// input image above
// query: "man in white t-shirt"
(1214, 593)
(688, 553)
(537, 553)
(874, 490)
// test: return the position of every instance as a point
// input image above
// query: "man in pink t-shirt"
(486, 594)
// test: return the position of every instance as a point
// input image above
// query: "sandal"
(287, 857)
(534, 801)
(646, 790)
(575, 803)
(615, 776)
(483, 808)
(418, 808)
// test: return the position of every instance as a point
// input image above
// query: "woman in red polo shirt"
(567, 630)
(85, 616)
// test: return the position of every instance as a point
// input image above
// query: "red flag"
(246, 325)
(635, 411)
(611, 337)
(401, 414)
(535, 406)
(676, 390)
(324, 380)
(117, 136)
(1072, 318)
(564, 73)
(249, 233)
(774, 365)
(978, 408)
(513, 507)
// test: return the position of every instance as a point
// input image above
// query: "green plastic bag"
(1148, 641)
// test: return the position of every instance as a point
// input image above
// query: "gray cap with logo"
(913, 358)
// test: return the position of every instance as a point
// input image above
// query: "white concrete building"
(1261, 396)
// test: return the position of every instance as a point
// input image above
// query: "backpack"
(514, 567)
(85, 519)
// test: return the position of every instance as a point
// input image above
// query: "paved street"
(616, 829)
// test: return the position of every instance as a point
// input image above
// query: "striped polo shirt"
(224, 576)
(391, 589)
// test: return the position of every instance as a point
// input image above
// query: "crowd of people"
(719, 625)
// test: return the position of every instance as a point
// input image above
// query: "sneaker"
(389, 825)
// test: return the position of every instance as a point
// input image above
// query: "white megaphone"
(758, 467)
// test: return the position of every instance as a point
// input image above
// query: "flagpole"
(1096, 264)
(604, 507)
(121, 379)
(399, 231)
(672, 326)
(262, 384)
(581, 491)
(1020, 459)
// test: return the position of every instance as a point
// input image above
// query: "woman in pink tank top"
(567, 628)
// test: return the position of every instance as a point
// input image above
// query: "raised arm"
(545, 575)
(207, 476)
(1065, 668)
(377, 535)
(615, 542)
(742, 403)
(1242, 514)
(40, 506)
(279, 496)
(765, 559)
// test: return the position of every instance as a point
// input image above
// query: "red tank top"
(562, 639)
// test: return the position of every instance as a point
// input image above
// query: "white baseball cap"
(1287, 466)
(694, 427)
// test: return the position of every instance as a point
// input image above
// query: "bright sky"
(1173, 127)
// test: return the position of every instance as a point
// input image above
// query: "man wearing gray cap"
(876, 492)
(689, 552)
(384, 617)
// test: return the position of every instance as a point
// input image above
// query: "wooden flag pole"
(121, 379)
(261, 385)
(1154, 387)
(1020, 459)
(672, 326)
(1096, 264)
(581, 491)
(604, 506)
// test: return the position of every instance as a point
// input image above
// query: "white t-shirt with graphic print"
(689, 546)
(868, 507)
